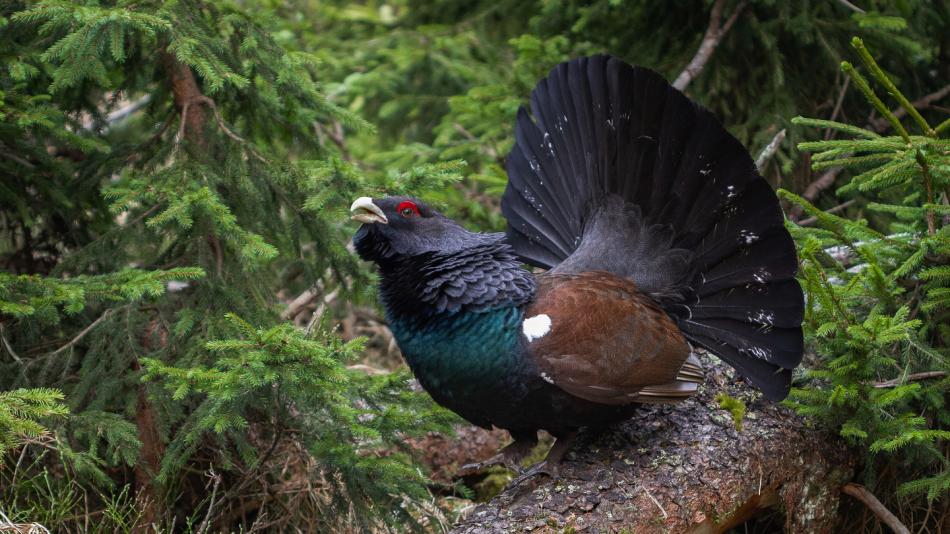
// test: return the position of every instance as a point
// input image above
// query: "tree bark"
(187, 97)
(684, 468)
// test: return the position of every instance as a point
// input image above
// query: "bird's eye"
(408, 209)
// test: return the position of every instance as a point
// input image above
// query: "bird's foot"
(550, 466)
(544, 467)
(509, 457)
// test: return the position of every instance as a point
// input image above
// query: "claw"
(550, 466)
(510, 457)
(497, 460)
(541, 468)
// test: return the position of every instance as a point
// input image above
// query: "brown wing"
(606, 342)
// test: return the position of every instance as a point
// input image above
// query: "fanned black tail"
(616, 170)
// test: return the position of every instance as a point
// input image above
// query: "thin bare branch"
(862, 494)
(306, 297)
(336, 135)
(836, 209)
(814, 189)
(910, 378)
(769, 150)
(9, 347)
(83, 333)
(837, 109)
(714, 34)
(318, 313)
(206, 522)
(224, 128)
(852, 7)
(881, 124)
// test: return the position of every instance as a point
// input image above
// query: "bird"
(638, 230)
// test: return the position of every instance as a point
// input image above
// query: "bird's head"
(405, 227)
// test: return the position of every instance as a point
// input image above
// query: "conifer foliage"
(171, 171)
(878, 311)
(162, 180)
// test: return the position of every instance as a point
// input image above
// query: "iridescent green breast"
(467, 359)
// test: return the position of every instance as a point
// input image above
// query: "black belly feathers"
(615, 170)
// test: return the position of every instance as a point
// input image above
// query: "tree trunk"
(684, 468)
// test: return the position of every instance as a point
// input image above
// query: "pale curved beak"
(364, 211)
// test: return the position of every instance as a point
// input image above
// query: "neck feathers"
(481, 277)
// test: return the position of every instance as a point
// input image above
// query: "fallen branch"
(910, 378)
(714, 34)
(684, 468)
(862, 494)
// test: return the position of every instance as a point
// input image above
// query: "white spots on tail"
(536, 327)
(547, 378)
(748, 236)
(761, 353)
(546, 143)
(533, 163)
(731, 191)
(763, 317)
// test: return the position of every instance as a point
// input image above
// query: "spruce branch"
(872, 97)
(885, 81)
(928, 190)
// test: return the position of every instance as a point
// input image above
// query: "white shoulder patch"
(536, 327)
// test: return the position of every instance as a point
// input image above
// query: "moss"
(734, 406)
(494, 482)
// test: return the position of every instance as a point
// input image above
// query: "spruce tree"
(878, 313)
(163, 179)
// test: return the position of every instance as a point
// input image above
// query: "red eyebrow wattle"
(407, 204)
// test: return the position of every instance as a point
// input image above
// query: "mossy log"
(684, 468)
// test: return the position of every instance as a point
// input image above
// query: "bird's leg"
(510, 456)
(550, 466)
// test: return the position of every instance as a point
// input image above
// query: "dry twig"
(83, 333)
(881, 124)
(836, 209)
(769, 150)
(862, 494)
(714, 34)
(910, 378)
(851, 6)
